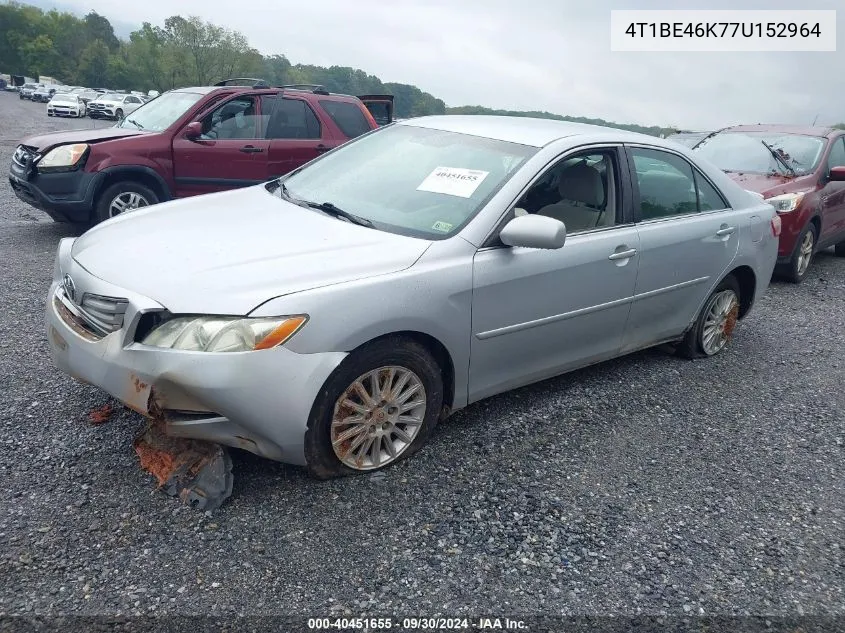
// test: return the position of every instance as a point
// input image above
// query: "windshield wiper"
(779, 158)
(331, 209)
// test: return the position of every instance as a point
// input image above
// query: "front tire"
(715, 325)
(839, 249)
(796, 270)
(377, 408)
(118, 114)
(123, 197)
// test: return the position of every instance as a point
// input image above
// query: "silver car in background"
(332, 317)
(113, 105)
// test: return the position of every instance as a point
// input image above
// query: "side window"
(837, 153)
(666, 184)
(235, 119)
(709, 199)
(347, 116)
(582, 191)
(289, 119)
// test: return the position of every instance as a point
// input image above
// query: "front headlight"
(63, 158)
(786, 202)
(224, 334)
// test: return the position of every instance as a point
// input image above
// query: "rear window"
(348, 117)
(288, 119)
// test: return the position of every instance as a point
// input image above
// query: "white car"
(113, 105)
(64, 104)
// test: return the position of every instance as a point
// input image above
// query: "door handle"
(725, 230)
(623, 254)
(251, 149)
(322, 149)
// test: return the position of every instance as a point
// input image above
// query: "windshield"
(160, 113)
(746, 152)
(61, 97)
(411, 180)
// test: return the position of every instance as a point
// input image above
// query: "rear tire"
(715, 324)
(376, 426)
(796, 270)
(123, 197)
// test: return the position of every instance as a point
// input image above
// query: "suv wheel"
(123, 197)
(118, 114)
(797, 267)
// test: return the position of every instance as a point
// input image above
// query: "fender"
(130, 170)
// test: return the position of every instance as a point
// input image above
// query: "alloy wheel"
(126, 201)
(378, 417)
(720, 322)
(805, 253)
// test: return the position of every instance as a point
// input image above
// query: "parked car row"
(79, 101)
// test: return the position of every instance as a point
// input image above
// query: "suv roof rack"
(317, 89)
(244, 81)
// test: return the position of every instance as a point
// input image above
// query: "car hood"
(769, 186)
(44, 141)
(229, 252)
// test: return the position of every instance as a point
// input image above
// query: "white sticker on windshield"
(443, 227)
(453, 181)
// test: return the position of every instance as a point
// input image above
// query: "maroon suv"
(185, 142)
(801, 172)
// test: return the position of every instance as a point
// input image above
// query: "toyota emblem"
(69, 287)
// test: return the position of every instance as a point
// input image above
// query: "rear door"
(688, 239)
(294, 133)
(380, 106)
(832, 197)
(230, 153)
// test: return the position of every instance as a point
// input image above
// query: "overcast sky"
(533, 54)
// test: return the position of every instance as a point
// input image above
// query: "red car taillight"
(776, 226)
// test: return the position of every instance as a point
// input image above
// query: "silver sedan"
(332, 317)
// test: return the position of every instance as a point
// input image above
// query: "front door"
(230, 152)
(688, 239)
(537, 313)
(832, 197)
(294, 132)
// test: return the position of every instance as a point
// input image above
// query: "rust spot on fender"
(138, 384)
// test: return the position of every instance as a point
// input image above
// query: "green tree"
(39, 55)
(98, 27)
(93, 67)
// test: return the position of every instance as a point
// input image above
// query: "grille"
(97, 314)
(23, 156)
(105, 312)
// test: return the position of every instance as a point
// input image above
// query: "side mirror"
(193, 130)
(837, 174)
(534, 231)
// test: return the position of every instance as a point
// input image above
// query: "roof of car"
(806, 130)
(531, 131)
(204, 90)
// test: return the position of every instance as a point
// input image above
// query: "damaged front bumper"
(259, 401)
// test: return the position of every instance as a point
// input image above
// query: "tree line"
(185, 51)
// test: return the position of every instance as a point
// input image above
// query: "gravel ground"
(644, 485)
